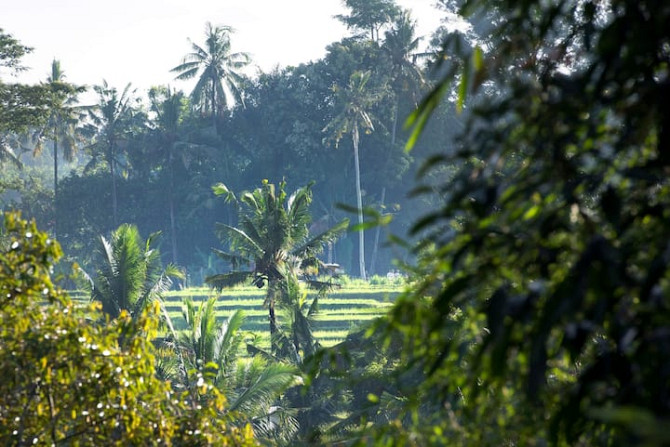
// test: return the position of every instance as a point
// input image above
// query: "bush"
(72, 376)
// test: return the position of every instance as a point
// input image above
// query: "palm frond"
(277, 426)
(224, 280)
(255, 351)
(228, 341)
(251, 242)
(316, 243)
(220, 189)
(235, 260)
(262, 384)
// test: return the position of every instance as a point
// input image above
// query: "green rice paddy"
(341, 311)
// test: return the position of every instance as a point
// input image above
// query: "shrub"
(72, 376)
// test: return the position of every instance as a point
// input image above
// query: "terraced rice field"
(341, 311)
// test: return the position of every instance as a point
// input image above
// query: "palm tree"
(110, 123)
(62, 122)
(218, 71)
(129, 274)
(301, 312)
(168, 107)
(401, 45)
(355, 102)
(204, 342)
(252, 386)
(272, 237)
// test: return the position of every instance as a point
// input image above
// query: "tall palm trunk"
(375, 246)
(394, 129)
(375, 249)
(214, 105)
(55, 214)
(173, 231)
(359, 203)
(273, 291)
(110, 161)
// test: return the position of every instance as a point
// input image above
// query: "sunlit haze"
(140, 41)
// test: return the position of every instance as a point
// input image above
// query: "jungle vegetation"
(525, 198)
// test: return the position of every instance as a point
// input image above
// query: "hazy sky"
(140, 41)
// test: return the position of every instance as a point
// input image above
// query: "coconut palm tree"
(129, 274)
(272, 238)
(354, 102)
(401, 46)
(111, 122)
(252, 386)
(406, 80)
(301, 313)
(218, 71)
(168, 107)
(62, 122)
(205, 341)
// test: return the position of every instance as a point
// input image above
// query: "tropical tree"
(301, 313)
(252, 387)
(61, 125)
(21, 106)
(218, 71)
(540, 313)
(68, 380)
(401, 46)
(205, 341)
(168, 107)
(369, 15)
(110, 123)
(354, 102)
(129, 275)
(272, 238)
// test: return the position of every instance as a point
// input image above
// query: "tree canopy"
(21, 106)
(543, 284)
(69, 380)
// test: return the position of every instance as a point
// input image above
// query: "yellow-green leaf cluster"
(70, 376)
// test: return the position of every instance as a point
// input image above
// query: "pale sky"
(140, 41)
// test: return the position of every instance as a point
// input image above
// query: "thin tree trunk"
(375, 247)
(173, 231)
(111, 170)
(55, 215)
(214, 106)
(359, 203)
(273, 320)
(395, 121)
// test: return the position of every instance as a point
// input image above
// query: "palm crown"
(272, 235)
(129, 274)
(217, 69)
(272, 238)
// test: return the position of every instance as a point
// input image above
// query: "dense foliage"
(541, 308)
(67, 379)
(152, 163)
(272, 246)
(537, 310)
(21, 106)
